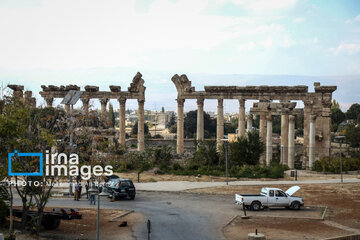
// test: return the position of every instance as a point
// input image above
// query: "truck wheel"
(295, 205)
(255, 206)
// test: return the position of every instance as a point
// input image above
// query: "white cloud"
(353, 20)
(347, 48)
(246, 47)
(265, 5)
(299, 20)
(87, 33)
(357, 18)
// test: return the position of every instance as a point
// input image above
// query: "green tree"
(231, 126)
(337, 117)
(352, 134)
(172, 120)
(27, 130)
(353, 112)
(134, 129)
(111, 115)
(335, 104)
(190, 124)
(246, 150)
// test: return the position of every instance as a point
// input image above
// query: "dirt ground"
(85, 228)
(343, 202)
(281, 228)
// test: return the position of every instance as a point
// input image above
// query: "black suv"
(118, 187)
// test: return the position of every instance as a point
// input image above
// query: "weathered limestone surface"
(241, 120)
(122, 103)
(180, 126)
(291, 141)
(284, 138)
(200, 120)
(312, 143)
(141, 123)
(249, 119)
(269, 150)
(220, 124)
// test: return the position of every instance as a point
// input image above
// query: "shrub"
(333, 165)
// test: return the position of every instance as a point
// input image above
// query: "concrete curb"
(230, 221)
(324, 213)
(114, 219)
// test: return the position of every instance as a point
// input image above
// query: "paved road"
(173, 186)
(173, 215)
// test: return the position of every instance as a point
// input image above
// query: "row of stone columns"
(200, 122)
(265, 131)
(122, 103)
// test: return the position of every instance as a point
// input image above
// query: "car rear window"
(125, 184)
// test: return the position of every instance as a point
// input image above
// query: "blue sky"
(232, 42)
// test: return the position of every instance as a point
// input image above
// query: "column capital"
(141, 101)
(122, 100)
(269, 117)
(242, 102)
(308, 103)
(312, 118)
(85, 100)
(291, 118)
(200, 101)
(104, 101)
(49, 101)
(220, 102)
(180, 102)
(285, 111)
(250, 116)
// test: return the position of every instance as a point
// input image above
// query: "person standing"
(87, 189)
(80, 189)
(92, 197)
(76, 195)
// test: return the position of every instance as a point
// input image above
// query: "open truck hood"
(292, 190)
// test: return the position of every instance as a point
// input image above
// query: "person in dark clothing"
(87, 189)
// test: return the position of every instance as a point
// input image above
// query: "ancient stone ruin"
(316, 115)
(135, 91)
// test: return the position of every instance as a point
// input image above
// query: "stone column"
(249, 122)
(49, 101)
(291, 142)
(122, 102)
(141, 123)
(284, 138)
(262, 134)
(103, 102)
(180, 127)
(241, 121)
(307, 112)
(67, 108)
(85, 106)
(269, 139)
(200, 120)
(312, 148)
(220, 123)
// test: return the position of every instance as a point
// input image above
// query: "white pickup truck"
(270, 197)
